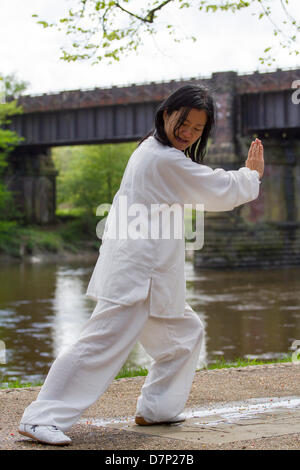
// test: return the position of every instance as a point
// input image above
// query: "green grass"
(222, 364)
(6, 383)
(69, 213)
(10, 241)
(70, 232)
(15, 239)
(141, 371)
(124, 372)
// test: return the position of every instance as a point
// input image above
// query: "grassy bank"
(222, 364)
(125, 373)
(70, 232)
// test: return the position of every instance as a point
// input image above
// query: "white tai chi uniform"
(139, 286)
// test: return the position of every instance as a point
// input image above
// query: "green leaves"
(227, 6)
(90, 175)
(108, 29)
(43, 23)
(10, 88)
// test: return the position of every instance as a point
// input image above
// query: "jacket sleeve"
(187, 182)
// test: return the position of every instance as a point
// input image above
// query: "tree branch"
(149, 18)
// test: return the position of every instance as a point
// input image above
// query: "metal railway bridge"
(247, 104)
(261, 104)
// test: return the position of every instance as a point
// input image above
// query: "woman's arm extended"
(187, 182)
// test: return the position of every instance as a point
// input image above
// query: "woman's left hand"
(255, 160)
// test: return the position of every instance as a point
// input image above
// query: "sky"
(225, 41)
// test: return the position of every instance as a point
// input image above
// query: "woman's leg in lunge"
(175, 345)
(81, 374)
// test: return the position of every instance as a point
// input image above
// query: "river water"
(246, 313)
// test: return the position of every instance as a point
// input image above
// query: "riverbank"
(69, 238)
(72, 237)
(109, 423)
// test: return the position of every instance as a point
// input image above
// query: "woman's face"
(189, 131)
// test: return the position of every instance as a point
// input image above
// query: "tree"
(108, 29)
(10, 89)
(90, 175)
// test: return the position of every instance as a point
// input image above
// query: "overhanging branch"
(149, 18)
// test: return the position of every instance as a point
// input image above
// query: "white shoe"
(44, 434)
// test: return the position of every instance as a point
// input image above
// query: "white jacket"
(157, 174)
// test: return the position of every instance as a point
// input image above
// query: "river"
(246, 313)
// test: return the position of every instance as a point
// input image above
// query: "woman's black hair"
(186, 98)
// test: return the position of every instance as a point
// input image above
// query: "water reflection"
(70, 309)
(43, 307)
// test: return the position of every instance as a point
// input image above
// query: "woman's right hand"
(255, 160)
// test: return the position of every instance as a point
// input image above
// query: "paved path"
(254, 407)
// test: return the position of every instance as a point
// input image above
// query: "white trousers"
(82, 373)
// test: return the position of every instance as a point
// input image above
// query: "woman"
(138, 281)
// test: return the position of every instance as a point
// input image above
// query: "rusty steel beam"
(245, 104)
(153, 92)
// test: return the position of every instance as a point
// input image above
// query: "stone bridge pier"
(31, 176)
(264, 232)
